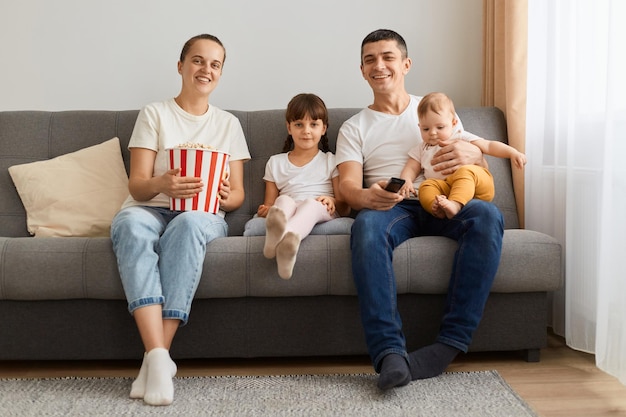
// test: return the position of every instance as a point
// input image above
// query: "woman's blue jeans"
(478, 228)
(160, 254)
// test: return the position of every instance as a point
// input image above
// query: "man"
(373, 146)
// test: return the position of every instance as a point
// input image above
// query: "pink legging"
(303, 215)
(467, 182)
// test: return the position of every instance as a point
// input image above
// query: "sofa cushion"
(85, 268)
(76, 194)
(339, 226)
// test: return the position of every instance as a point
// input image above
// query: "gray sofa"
(61, 298)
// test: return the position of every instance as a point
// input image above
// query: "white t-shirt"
(380, 142)
(309, 181)
(424, 153)
(164, 125)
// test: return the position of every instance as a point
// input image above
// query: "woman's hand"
(231, 192)
(143, 186)
(175, 186)
(224, 191)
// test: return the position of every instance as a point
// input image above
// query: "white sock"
(286, 252)
(138, 388)
(159, 383)
(275, 224)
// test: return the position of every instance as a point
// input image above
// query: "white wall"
(121, 54)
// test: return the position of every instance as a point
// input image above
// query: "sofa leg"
(531, 355)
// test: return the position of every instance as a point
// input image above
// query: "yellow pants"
(467, 182)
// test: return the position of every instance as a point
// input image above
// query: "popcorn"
(194, 145)
(199, 160)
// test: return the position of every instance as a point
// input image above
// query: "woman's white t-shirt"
(164, 125)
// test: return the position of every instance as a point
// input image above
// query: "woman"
(160, 252)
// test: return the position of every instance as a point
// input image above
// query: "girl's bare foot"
(449, 207)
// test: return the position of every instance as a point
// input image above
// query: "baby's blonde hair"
(436, 102)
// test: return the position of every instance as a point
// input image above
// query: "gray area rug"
(467, 394)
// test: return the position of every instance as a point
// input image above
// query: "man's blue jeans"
(160, 254)
(478, 228)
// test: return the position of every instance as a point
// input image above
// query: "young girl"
(160, 252)
(300, 184)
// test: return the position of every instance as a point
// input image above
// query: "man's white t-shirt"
(309, 181)
(164, 125)
(380, 142)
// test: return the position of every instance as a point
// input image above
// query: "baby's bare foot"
(449, 207)
(437, 210)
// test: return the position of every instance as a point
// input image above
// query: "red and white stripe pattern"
(207, 164)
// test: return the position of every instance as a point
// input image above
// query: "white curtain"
(576, 171)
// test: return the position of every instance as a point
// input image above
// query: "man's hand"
(357, 197)
(453, 154)
(380, 199)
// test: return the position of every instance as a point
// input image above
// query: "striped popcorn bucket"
(210, 165)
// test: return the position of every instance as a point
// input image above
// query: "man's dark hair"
(386, 35)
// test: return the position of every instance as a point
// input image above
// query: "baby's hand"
(519, 160)
(407, 189)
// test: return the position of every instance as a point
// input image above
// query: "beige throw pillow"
(76, 194)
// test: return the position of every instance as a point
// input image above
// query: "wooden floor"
(565, 383)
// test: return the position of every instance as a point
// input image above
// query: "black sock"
(431, 361)
(394, 372)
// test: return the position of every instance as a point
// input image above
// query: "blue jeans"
(160, 254)
(478, 228)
